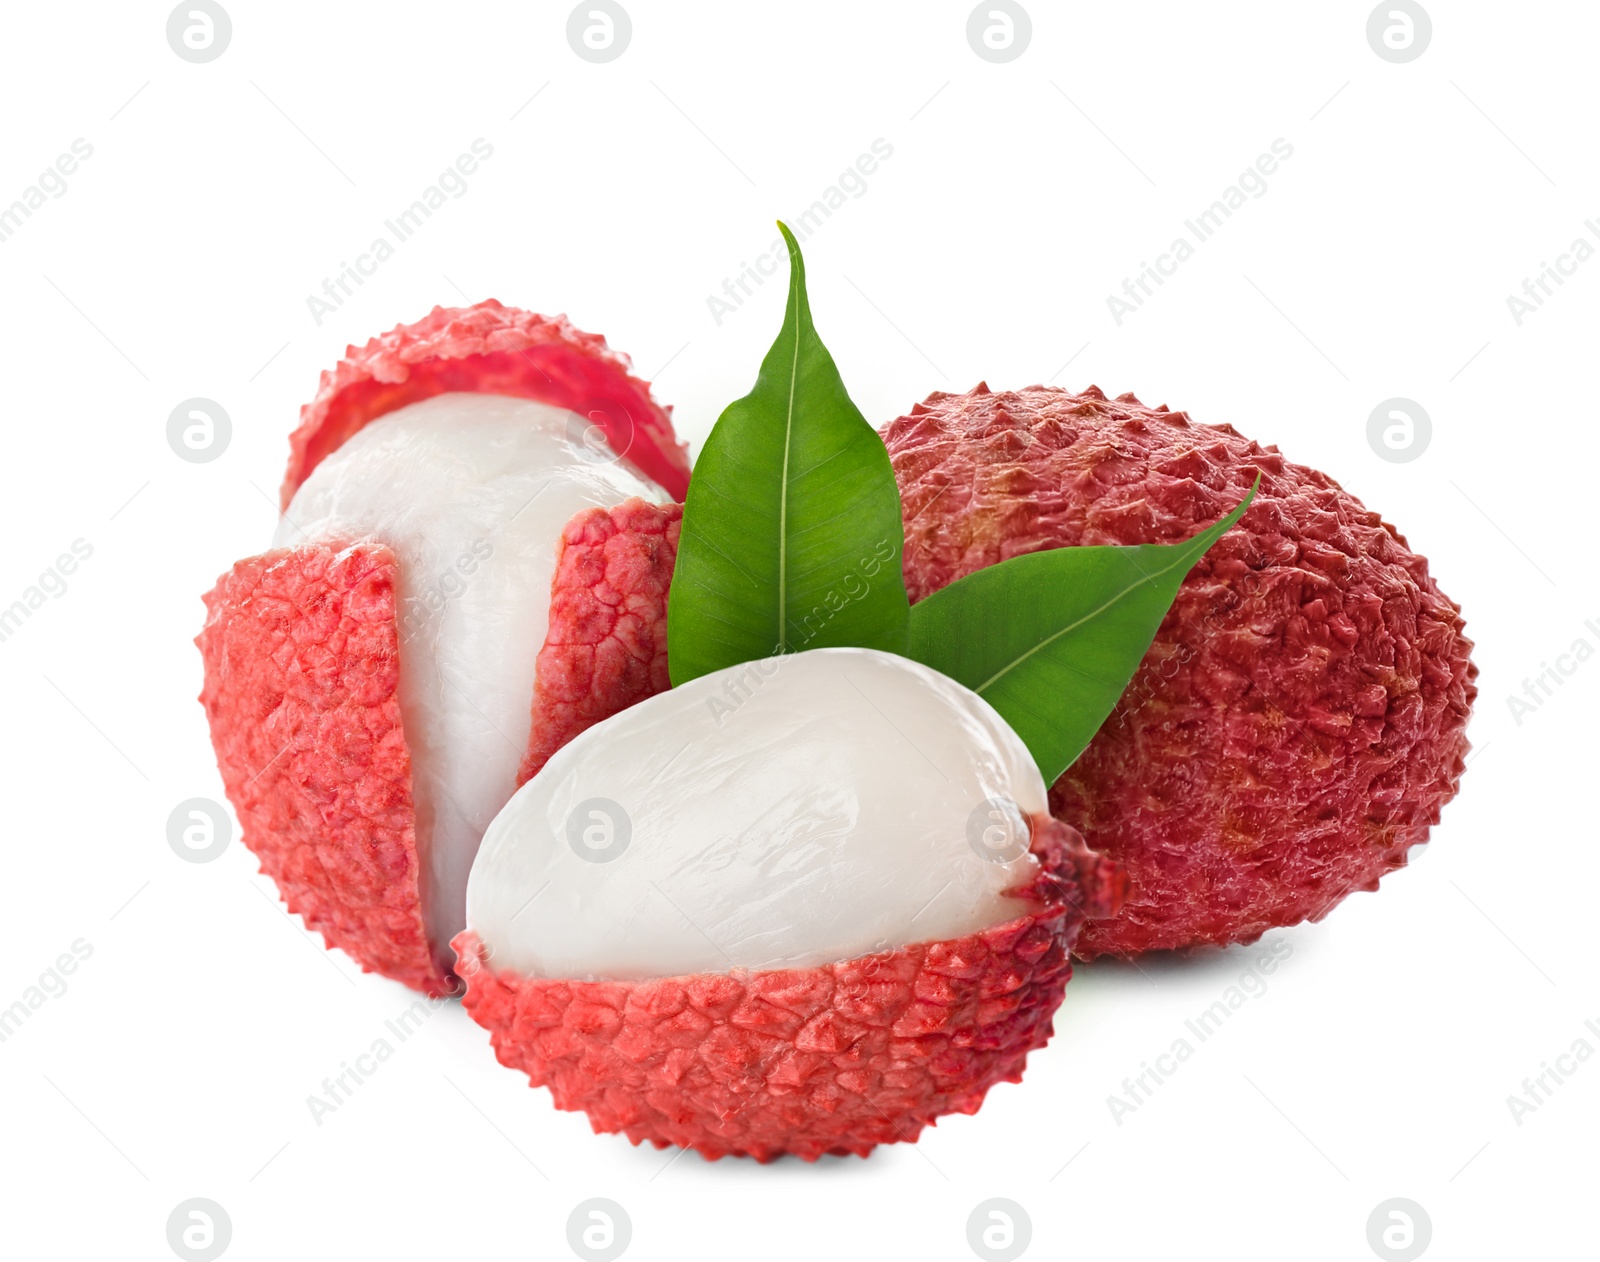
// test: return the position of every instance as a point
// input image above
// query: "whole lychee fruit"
(1300, 718)
(805, 905)
(466, 574)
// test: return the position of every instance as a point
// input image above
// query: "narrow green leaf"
(1051, 639)
(791, 534)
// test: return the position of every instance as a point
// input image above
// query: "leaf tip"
(796, 261)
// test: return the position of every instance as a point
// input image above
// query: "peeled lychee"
(805, 905)
(458, 586)
(1300, 718)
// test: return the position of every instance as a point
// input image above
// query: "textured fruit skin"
(836, 1059)
(301, 667)
(607, 643)
(490, 349)
(1299, 719)
(301, 656)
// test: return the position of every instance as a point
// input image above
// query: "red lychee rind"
(607, 643)
(490, 349)
(301, 668)
(1299, 719)
(836, 1059)
(301, 656)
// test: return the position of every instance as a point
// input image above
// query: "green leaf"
(1052, 638)
(791, 534)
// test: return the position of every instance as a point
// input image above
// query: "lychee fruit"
(466, 574)
(804, 905)
(1299, 719)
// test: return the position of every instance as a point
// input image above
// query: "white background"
(178, 262)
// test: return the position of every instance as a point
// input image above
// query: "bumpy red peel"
(1300, 718)
(607, 643)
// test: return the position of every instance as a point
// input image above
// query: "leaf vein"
(1145, 580)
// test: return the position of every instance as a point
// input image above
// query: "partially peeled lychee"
(805, 905)
(458, 585)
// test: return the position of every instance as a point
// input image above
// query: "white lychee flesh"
(470, 492)
(782, 814)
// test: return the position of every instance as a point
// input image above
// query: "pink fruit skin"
(809, 1061)
(1301, 716)
(301, 657)
(301, 667)
(607, 643)
(490, 349)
